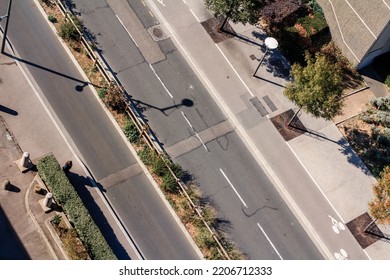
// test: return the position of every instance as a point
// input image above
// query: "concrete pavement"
(317, 173)
(34, 131)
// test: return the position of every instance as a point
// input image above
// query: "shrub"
(387, 80)
(69, 32)
(102, 92)
(52, 19)
(115, 98)
(131, 131)
(383, 118)
(147, 155)
(159, 167)
(65, 194)
(381, 103)
(169, 183)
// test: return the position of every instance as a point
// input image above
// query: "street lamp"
(270, 44)
(6, 26)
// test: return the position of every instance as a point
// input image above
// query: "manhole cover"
(157, 32)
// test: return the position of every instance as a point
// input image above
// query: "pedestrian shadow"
(8, 110)
(83, 186)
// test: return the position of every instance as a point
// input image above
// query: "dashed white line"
(234, 189)
(196, 134)
(127, 31)
(158, 77)
(194, 15)
(269, 240)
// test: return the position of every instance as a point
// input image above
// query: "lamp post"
(6, 26)
(270, 44)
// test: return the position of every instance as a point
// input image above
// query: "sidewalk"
(318, 164)
(33, 131)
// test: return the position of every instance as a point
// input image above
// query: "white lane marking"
(196, 134)
(251, 145)
(365, 24)
(269, 240)
(127, 31)
(315, 183)
(194, 15)
(238, 75)
(161, 2)
(386, 4)
(158, 77)
(184, 1)
(234, 189)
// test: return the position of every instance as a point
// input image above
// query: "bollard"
(6, 184)
(25, 160)
(48, 200)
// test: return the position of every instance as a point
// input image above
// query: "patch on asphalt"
(288, 132)
(259, 107)
(212, 26)
(364, 230)
(269, 103)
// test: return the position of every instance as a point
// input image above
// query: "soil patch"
(357, 227)
(212, 27)
(288, 132)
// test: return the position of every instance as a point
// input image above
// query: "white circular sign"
(271, 43)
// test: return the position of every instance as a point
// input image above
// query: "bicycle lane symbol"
(336, 225)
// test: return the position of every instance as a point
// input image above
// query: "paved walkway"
(26, 127)
(226, 67)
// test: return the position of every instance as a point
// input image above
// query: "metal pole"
(6, 26)
(258, 66)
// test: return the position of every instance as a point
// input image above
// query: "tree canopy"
(244, 11)
(317, 87)
(380, 205)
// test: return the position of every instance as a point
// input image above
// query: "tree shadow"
(374, 153)
(344, 146)
(83, 186)
(8, 110)
(277, 65)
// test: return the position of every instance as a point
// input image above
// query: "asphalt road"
(94, 136)
(197, 136)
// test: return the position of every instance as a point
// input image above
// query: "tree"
(317, 87)
(380, 205)
(275, 12)
(244, 11)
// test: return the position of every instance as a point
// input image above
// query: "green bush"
(69, 32)
(65, 194)
(131, 131)
(387, 80)
(52, 18)
(381, 103)
(169, 183)
(102, 92)
(383, 118)
(147, 155)
(159, 167)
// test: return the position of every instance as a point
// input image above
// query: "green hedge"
(64, 193)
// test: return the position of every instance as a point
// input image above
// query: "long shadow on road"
(82, 184)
